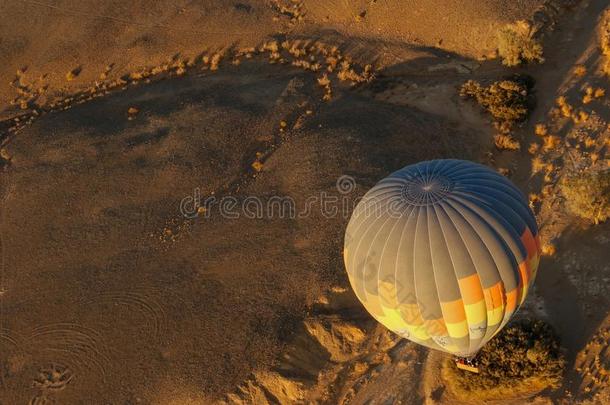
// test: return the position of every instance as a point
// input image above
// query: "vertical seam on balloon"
(382, 203)
(385, 244)
(378, 196)
(378, 261)
(512, 207)
(432, 343)
(451, 200)
(463, 168)
(427, 226)
(417, 301)
(499, 186)
(518, 240)
(482, 339)
(434, 169)
(423, 176)
(404, 229)
(527, 216)
(491, 209)
(497, 181)
(354, 255)
(516, 270)
(454, 273)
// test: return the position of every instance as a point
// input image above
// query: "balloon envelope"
(443, 253)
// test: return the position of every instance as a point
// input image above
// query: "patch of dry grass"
(523, 358)
(506, 142)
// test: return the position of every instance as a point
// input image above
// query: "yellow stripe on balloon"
(418, 332)
(495, 316)
(457, 330)
(394, 320)
(476, 313)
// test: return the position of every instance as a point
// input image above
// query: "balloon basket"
(467, 363)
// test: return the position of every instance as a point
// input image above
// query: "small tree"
(516, 44)
(588, 195)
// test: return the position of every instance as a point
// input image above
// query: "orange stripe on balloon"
(529, 242)
(453, 311)
(494, 296)
(511, 300)
(524, 270)
(520, 290)
(471, 289)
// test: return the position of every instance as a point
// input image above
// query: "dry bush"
(550, 142)
(73, 74)
(516, 44)
(541, 130)
(605, 42)
(522, 358)
(506, 142)
(507, 101)
(565, 108)
(599, 93)
(580, 70)
(548, 249)
(587, 195)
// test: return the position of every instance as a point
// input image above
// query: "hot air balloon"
(443, 253)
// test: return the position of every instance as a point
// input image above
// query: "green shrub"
(516, 44)
(522, 358)
(588, 195)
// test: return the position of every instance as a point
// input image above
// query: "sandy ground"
(109, 294)
(53, 38)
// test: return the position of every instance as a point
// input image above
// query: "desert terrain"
(139, 141)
